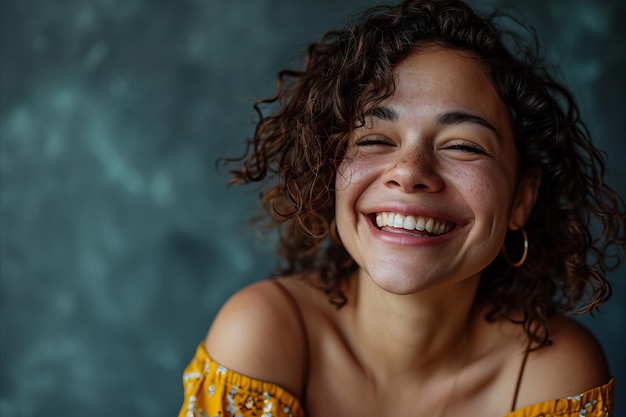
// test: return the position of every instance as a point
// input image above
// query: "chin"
(405, 282)
(402, 283)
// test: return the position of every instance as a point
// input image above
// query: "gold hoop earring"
(333, 232)
(524, 255)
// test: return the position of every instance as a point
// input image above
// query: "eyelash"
(468, 147)
(370, 141)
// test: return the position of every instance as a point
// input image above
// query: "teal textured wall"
(119, 240)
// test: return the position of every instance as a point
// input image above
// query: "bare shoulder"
(258, 333)
(574, 363)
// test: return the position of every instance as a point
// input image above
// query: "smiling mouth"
(425, 226)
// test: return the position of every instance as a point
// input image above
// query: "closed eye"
(372, 141)
(468, 147)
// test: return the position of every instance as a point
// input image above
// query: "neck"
(417, 335)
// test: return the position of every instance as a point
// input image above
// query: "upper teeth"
(433, 226)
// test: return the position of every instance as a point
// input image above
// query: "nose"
(413, 171)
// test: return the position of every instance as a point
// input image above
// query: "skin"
(414, 164)
(411, 340)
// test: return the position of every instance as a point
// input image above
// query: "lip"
(407, 239)
(417, 211)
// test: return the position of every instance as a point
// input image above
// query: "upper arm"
(574, 363)
(256, 334)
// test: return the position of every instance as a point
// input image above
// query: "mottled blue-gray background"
(119, 240)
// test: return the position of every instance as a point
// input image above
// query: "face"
(429, 185)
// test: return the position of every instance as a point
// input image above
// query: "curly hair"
(576, 228)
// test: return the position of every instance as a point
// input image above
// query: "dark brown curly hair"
(576, 229)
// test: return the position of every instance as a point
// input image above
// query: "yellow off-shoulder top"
(211, 390)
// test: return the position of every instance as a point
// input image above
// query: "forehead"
(447, 78)
(438, 64)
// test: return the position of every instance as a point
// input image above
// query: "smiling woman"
(435, 206)
(433, 164)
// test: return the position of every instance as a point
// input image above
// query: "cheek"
(353, 173)
(490, 189)
(343, 180)
(343, 177)
(353, 178)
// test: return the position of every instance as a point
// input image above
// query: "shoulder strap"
(303, 333)
(521, 373)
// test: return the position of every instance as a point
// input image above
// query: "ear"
(525, 198)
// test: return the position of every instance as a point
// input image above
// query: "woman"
(434, 203)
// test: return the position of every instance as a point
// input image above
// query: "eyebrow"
(446, 119)
(458, 117)
(382, 112)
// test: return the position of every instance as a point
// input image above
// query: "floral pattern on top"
(596, 402)
(211, 390)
